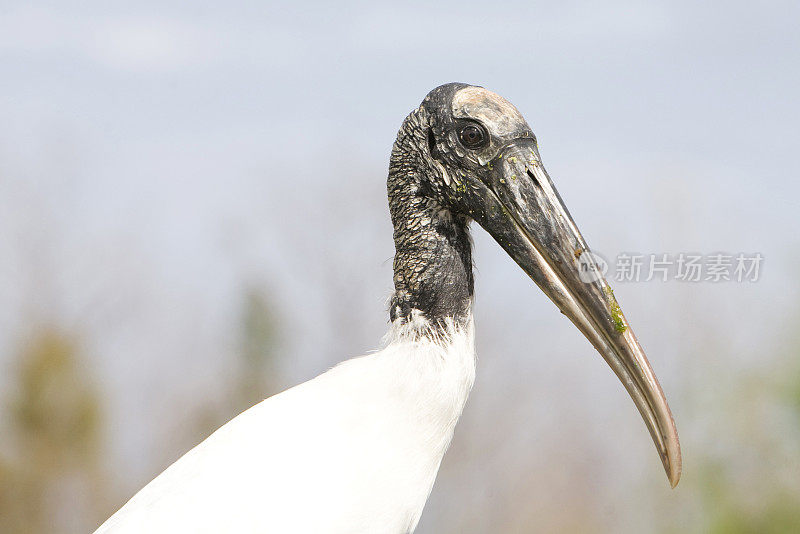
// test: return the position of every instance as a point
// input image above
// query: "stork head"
(483, 163)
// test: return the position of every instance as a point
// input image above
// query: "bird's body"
(356, 449)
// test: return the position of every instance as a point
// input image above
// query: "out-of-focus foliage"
(775, 512)
(258, 369)
(769, 417)
(257, 373)
(750, 485)
(51, 469)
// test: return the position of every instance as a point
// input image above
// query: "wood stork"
(357, 448)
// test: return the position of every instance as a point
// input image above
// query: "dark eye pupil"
(471, 136)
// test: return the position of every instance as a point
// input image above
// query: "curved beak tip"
(673, 467)
(674, 478)
(669, 448)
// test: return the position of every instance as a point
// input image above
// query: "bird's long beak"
(525, 214)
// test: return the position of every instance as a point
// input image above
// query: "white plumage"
(356, 449)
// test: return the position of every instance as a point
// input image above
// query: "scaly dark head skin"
(468, 154)
(433, 260)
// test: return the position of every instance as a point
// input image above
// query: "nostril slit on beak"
(432, 145)
(534, 179)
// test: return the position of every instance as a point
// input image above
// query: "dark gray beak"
(525, 214)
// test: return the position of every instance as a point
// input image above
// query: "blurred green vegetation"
(257, 374)
(752, 486)
(776, 512)
(51, 475)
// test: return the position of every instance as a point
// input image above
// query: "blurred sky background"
(193, 217)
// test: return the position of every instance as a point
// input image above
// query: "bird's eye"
(472, 136)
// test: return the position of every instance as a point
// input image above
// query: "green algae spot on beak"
(616, 311)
